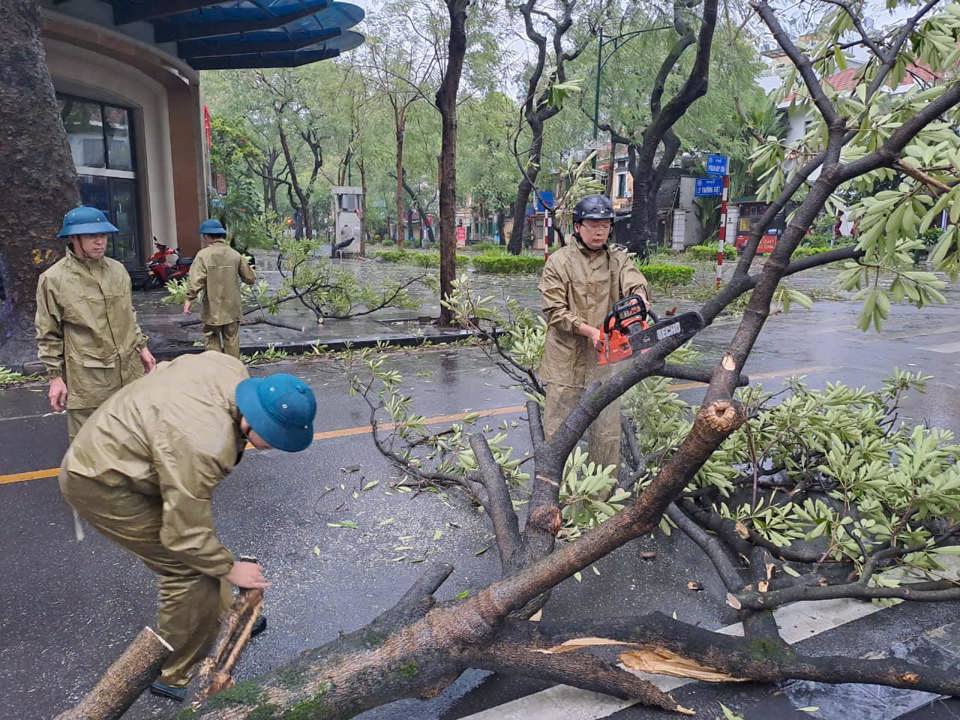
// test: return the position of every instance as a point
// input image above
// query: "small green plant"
(270, 355)
(176, 292)
(8, 378)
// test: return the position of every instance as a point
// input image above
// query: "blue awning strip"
(295, 35)
(213, 34)
(326, 50)
(220, 20)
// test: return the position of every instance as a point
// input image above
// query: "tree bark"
(362, 167)
(646, 171)
(37, 170)
(400, 121)
(446, 101)
(520, 212)
(124, 680)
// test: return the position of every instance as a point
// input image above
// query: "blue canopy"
(213, 34)
(347, 40)
(295, 35)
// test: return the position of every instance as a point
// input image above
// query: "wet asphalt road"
(67, 607)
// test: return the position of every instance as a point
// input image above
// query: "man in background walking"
(216, 272)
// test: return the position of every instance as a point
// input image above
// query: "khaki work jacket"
(580, 286)
(215, 272)
(87, 330)
(174, 434)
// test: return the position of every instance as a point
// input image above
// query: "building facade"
(127, 78)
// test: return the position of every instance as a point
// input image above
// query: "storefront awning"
(325, 50)
(212, 34)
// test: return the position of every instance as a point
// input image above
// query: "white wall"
(87, 74)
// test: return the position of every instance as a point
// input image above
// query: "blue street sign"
(708, 187)
(717, 164)
(545, 197)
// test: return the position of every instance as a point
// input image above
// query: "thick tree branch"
(947, 590)
(499, 505)
(710, 545)
(802, 63)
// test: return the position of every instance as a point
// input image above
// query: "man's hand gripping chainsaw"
(626, 330)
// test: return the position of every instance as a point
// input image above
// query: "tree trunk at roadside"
(520, 212)
(400, 122)
(37, 172)
(446, 101)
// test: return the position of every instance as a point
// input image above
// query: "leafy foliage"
(9, 378)
(893, 206)
(830, 468)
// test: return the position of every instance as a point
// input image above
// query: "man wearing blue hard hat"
(216, 272)
(87, 333)
(143, 471)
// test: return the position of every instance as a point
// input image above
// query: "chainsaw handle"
(652, 315)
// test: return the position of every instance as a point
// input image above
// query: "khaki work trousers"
(190, 603)
(603, 435)
(223, 338)
(76, 419)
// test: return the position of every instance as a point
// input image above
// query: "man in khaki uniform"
(580, 283)
(215, 272)
(143, 471)
(87, 333)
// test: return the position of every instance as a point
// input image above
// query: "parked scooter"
(160, 271)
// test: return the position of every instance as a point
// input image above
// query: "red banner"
(207, 127)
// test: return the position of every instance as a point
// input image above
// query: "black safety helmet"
(593, 207)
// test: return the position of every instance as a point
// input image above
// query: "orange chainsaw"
(626, 330)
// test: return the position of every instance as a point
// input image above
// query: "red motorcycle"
(160, 271)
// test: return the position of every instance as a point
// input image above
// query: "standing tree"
(446, 102)
(418, 647)
(652, 150)
(544, 88)
(401, 72)
(35, 159)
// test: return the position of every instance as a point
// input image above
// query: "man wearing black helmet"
(579, 285)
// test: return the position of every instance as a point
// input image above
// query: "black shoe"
(170, 692)
(259, 626)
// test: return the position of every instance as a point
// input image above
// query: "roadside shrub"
(507, 264)
(488, 248)
(709, 252)
(420, 258)
(807, 250)
(667, 274)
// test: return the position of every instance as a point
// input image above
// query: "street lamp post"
(618, 42)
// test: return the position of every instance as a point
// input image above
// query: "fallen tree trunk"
(124, 680)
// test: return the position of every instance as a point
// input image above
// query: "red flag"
(207, 127)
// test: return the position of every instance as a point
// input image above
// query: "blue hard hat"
(212, 227)
(83, 220)
(280, 409)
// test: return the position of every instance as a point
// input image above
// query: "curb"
(335, 344)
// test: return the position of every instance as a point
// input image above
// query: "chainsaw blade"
(686, 325)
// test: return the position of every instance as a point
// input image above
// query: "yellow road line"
(435, 420)
(325, 435)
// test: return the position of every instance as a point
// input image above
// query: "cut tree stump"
(124, 680)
